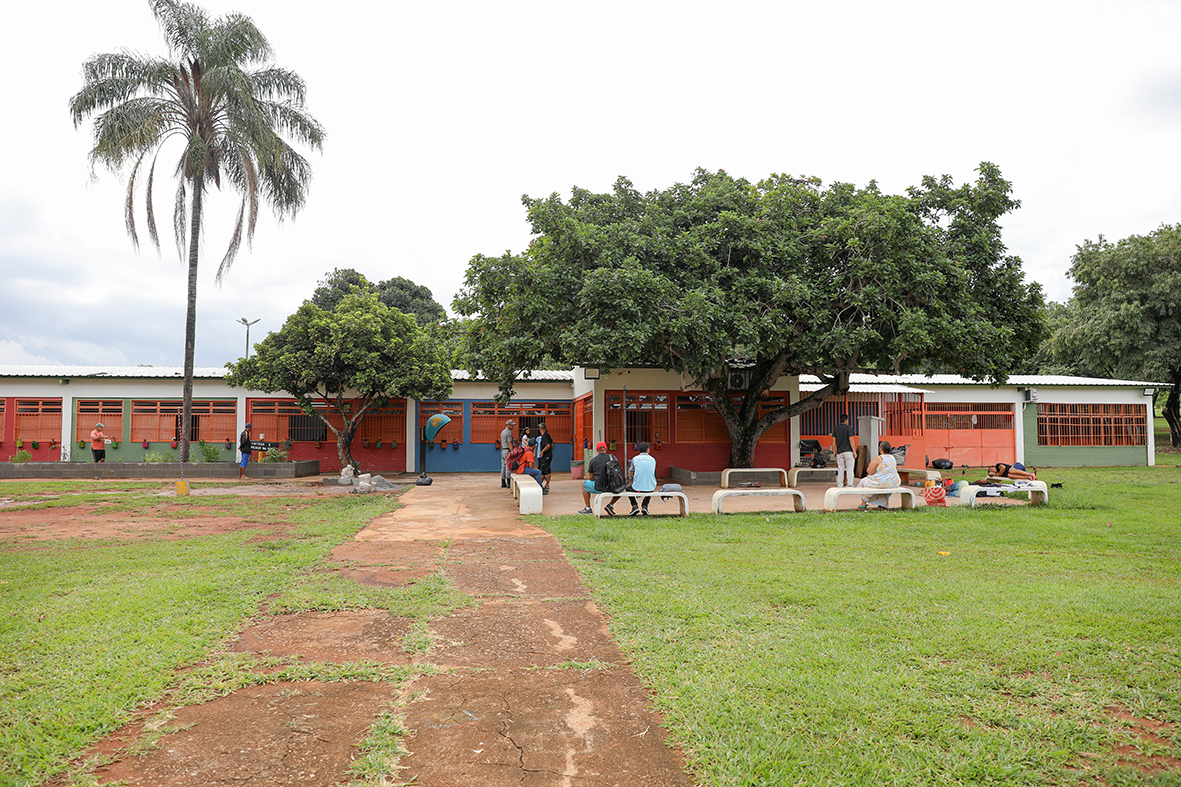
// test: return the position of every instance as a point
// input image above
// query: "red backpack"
(514, 458)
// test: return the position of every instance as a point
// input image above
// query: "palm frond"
(151, 211)
(180, 219)
(235, 245)
(129, 205)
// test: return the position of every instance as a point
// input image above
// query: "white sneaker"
(586, 511)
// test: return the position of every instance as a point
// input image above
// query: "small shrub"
(162, 456)
(21, 456)
(275, 455)
(209, 453)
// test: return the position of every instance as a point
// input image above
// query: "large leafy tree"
(352, 359)
(781, 277)
(1126, 312)
(229, 112)
(397, 293)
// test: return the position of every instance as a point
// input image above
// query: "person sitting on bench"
(882, 473)
(1016, 471)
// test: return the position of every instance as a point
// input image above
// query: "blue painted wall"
(481, 458)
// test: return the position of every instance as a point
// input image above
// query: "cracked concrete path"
(536, 691)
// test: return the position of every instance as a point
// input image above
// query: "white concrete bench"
(527, 491)
(597, 505)
(1039, 493)
(811, 474)
(729, 471)
(922, 472)
(796, 495)
(905, 493)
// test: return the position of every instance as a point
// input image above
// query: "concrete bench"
(729, 471)
(828, 474)
(1039, 493)
(927, 475)
(796, 495)
(830, 497)
(527, 491)
(597, 504)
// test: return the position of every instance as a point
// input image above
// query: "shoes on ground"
(610, 510)
(645, 512)
(586, 511)
(544, 491)
(503, 484)
(634, 512)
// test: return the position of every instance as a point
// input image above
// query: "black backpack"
(942, 464)
(616, 482)
(514, 458)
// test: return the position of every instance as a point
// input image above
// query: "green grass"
(845, 649)
(91, 631)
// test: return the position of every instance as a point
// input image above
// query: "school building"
(1040, 420)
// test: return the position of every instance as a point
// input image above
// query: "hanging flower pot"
(455, 444)
(173, 442)
(36, 445)
(81, 443)
(114, 444)
(147, 444)
(228, 444)
(52, 444)
(612, 445)
(20, 443)
(394, 444)
(317, 445)
(430, 444)
(379, 442)
(365, 441)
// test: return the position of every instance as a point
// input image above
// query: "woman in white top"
(882, 473)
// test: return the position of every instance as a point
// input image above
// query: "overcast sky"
(441, 115)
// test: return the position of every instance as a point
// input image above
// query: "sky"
(440, 116)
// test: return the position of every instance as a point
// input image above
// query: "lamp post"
(247, 323)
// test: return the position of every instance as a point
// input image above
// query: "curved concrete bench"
(1039, 493)
(527, 491)
(831, 496)
(597, 503)
(729, 471)
(811, 474)
(796, 495)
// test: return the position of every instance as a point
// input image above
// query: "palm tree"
(220, 98)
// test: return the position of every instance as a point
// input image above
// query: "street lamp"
(247, 323)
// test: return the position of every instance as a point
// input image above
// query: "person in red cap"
(598, 477)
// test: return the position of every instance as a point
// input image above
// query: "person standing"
(244, 448)
(98, 444)
(844, 451)
(506, 445)
(545, 455)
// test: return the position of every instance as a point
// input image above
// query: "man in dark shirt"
(545, 454)
(598, 477)
(843, 448)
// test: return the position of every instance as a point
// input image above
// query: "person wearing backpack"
(643, 467)
(527, 464)
(597, 482)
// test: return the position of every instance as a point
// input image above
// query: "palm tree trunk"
(191, 320)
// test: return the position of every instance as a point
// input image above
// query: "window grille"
(454, 410)
(646, 416)
(488, 419)
(159, 420)
(283, 419)
(38, 419)
(108, 412)
(969, 415)
(1092, 424)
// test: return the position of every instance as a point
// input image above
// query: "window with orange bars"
(108, 412)
(699, 422)
(2, 403)
(646, 416)
(584, 419)
(38, 419)
(283, 419)
(453, 431)
(968, 415)
(159, 420)
(1092, 424)
(488, 419)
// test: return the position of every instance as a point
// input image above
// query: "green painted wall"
(1077, 455)
(135, 452)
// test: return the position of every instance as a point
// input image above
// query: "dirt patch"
(361, 635)
(88, 522)
(378, 563)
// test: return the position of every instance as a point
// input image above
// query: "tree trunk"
(344, 446)
(1171, 410)
(746, 427)
(191, 322)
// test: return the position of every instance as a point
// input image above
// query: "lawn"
(89, 631)
(999, 645)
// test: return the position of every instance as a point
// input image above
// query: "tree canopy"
(781, 277)
(1126, 315)
(228, 109)
(353, 359)
(397, 293)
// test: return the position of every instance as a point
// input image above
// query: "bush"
(209, 452)
(275, 455)
(157, 458)
(21, 456)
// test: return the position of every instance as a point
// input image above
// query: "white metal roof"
(204, 372)
(876, 381)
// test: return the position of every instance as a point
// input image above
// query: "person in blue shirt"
(643, 479)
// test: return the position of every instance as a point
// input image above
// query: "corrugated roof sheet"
(203, 372)
(1023, 380)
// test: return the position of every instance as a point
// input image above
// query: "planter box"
(300, 469)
